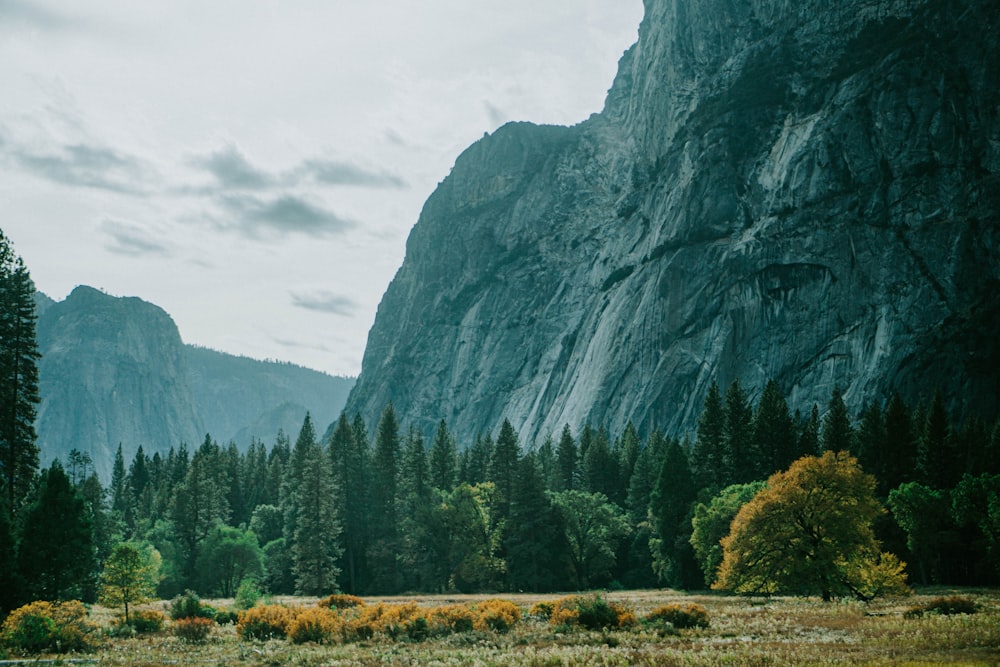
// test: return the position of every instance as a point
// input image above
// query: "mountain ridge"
(799, 191)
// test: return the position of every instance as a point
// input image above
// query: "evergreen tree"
(598, 466)
(350, 455)
(837, 434)
(899, 460)
(56, 549)
(384, 517)
(415, 514)
(737, 436)
(19, 396)
(774, 437)
(870, 440)
(670, 514)
(503, 468)
(809, 433)
(443, 458)
(628, 453)
(119, 484)
(534, 542)
(316, 549)
(935, 453)
(545, 457)
(477, 460)
(566, 461)
(199, 502)
(708, 457)
(303, 451)
(10, 584)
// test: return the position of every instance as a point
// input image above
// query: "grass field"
(778, 631)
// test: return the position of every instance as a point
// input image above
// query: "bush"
(147, 620)
(193, 630)
(339, 601)
(594, 613)
(948, 605)
(588, 611)
(497, 615)
(317, 624)
(452, 618)
(50, 626)
(226, 616)
(417, 629)
(248, 594)
(679, 616)
(265, 622)
(189, 606)
(542, 610)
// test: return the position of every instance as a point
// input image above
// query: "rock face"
(806, 191)
(114, 370)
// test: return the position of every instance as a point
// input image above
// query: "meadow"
(741, 631)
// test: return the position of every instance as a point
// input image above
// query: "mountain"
(806, 191)
(115, 370)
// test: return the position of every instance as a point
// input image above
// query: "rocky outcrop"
(806, 191)
(115, 371)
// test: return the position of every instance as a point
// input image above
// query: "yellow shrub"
(265, 622)
(451, 618)
(50, 626)
(316, 624)
(680, 615)
(496, 615)
(542, 610)
(625, 614)
(340, 601)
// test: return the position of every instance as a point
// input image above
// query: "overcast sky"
(254, 166)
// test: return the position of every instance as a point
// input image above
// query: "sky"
(254, 167)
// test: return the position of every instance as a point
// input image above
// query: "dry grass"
(778, 631)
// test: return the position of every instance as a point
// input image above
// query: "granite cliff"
(115, 370)
(806, 191)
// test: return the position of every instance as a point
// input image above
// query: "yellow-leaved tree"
(130, 575)
(810, 532)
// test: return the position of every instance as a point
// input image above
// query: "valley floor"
(776, 631)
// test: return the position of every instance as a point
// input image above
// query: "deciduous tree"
(130, 575)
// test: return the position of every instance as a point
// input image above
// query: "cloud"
(288, 214)
(233, 171)
(26, 12)
(325, 302)
(84, 165)
(335, 172)
(131, 240)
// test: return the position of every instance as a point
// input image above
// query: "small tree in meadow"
(130, 575)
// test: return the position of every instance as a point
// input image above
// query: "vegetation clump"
(319, 625)
(496, 615)
(60, 627)
(592, 612)
(341, 601)
(265, 622)
(679, 616)
(194, 629)
(189, 605)
(946, 606)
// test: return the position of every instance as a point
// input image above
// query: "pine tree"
(503, 468)
(708, 461)
(566, 462)
(935, 453)
(477, 459)
(443, 458)
(303, 451)
(384, 516)
(199, 502)
(900, 449)
(871, 446)
(774, 437)
(19, 397)
(316, 550)
(10, 585)
(737, 436)
(415, 514)
(535, 542)
(56, 550)
(119, 484)
(669, 509)
(837, 434)
(598, 467)
(809, 433)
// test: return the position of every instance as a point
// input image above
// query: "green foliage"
(711, 522)
(147, 620)
(58, 627)
(593, 527)
(810, 532)
(248, 594)
(669, 512)
(189, 605)
(130, 575)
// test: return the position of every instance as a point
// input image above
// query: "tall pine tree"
(19, 395)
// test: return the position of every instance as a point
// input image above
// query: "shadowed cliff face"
(800, 190)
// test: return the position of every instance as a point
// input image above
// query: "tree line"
(393, 510)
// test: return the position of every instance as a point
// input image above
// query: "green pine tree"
(708, 462)
(443, 458)
(837, 434)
